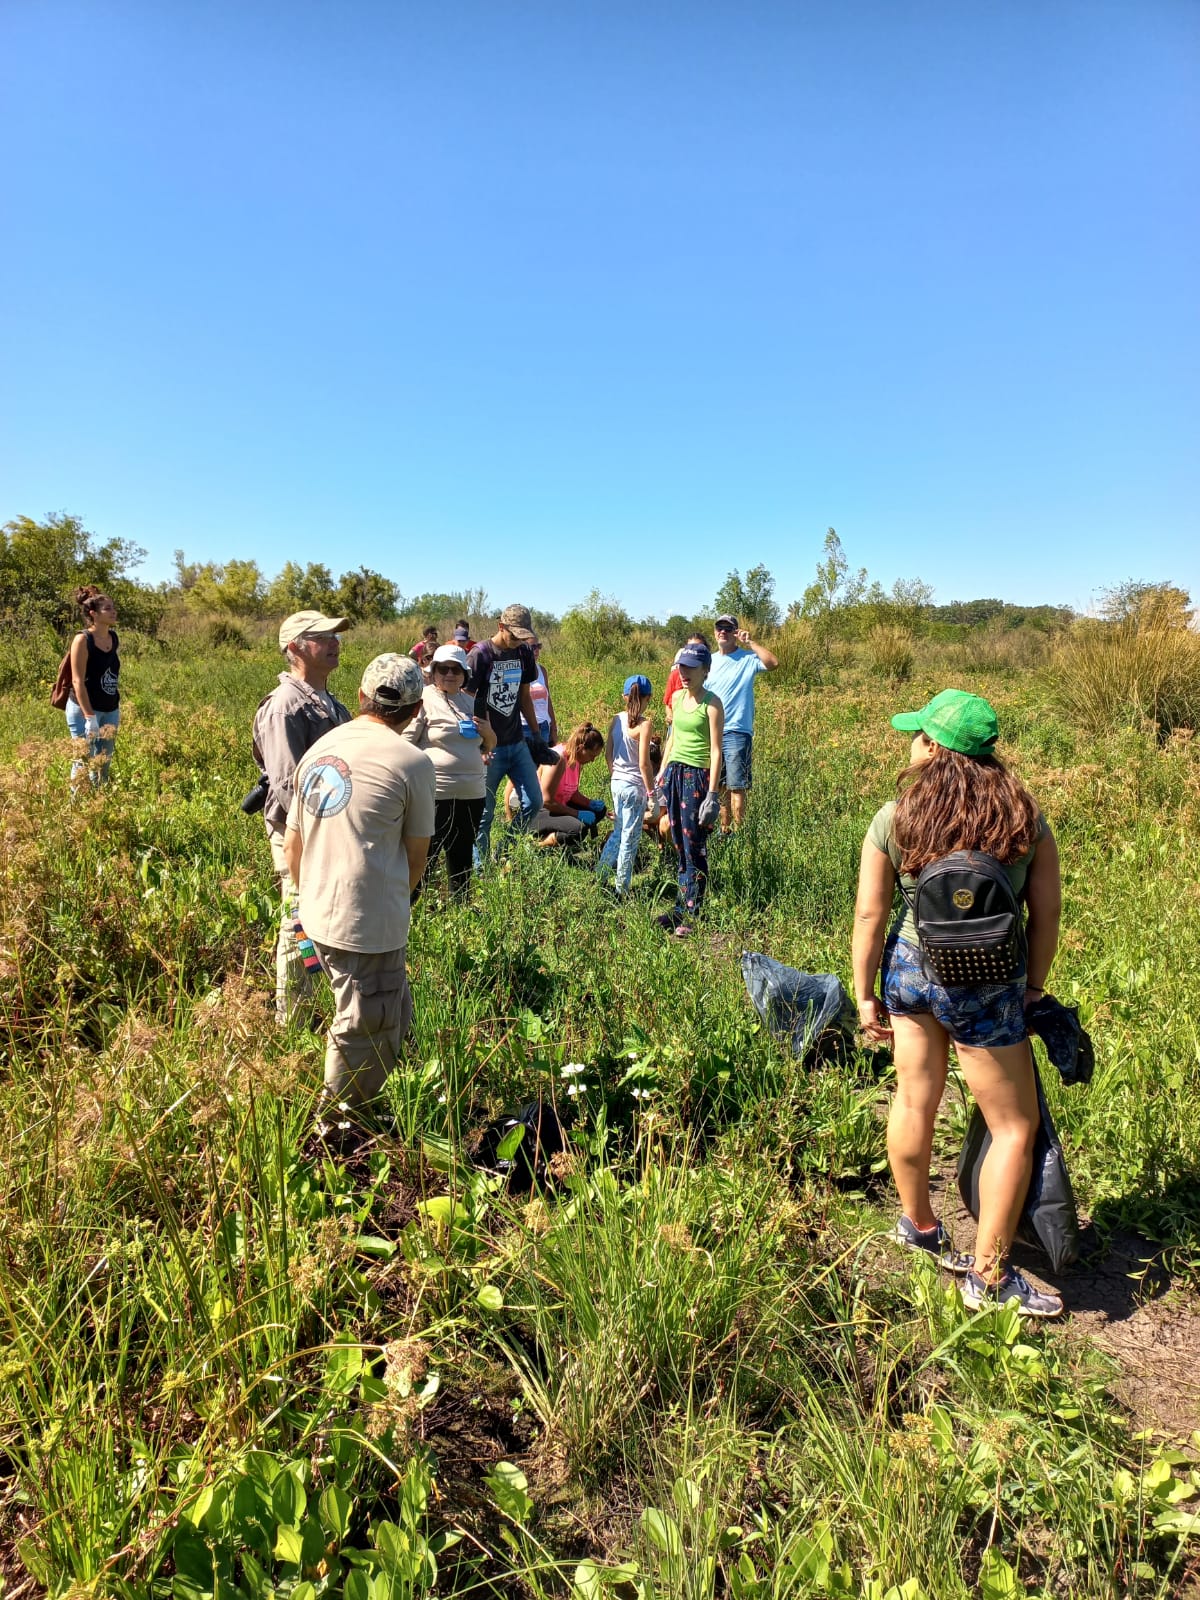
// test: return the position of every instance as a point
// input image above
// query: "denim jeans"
(621, 846)
(99, 751)
(508, 761)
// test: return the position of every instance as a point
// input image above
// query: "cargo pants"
(372, 1016)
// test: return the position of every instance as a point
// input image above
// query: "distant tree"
(231, 588)
(750, 600)
(1147, 605)
(977, 613)
(366, 596)
(435, 607)
(677, 628)
(968, 613)
(42, 563)
(834, 588)
(298, 588)
(186, 572)
(906, 606)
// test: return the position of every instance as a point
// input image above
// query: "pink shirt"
(568, 784)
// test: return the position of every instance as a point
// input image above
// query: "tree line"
(41, 563)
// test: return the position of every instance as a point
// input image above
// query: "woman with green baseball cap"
(956, 795)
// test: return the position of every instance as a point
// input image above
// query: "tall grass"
(891, 651)
(1108, 676)
(232, 1366)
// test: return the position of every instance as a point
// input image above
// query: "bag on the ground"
(811, 1011)
(521, 1157)
(968, 920)
(1049, 1220)
(63, 684)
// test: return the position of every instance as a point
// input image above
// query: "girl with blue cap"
(627, 751)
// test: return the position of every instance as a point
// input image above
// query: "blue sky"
(545, 296)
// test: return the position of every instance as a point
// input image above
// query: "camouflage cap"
(518, 621)
(393, 680)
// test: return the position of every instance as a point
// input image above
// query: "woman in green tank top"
(691, 779)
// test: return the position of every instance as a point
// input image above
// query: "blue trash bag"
(808, 1010)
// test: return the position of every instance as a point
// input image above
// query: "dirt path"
(1119, 1299)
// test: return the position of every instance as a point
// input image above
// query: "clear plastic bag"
(809, 1010)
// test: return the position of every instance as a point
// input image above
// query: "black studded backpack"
(968, 920)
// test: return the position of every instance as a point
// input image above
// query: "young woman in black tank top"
(93, 710)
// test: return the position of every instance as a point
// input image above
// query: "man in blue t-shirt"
(735, 666)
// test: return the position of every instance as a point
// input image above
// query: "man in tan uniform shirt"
(357, 837)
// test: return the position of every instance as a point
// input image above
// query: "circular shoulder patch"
(964, 899)
(327, 788)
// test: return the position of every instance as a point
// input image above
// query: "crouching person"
(357, 837)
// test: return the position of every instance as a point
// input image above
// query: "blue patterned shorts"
(988, 1016)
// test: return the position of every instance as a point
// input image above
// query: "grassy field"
(693, 1366)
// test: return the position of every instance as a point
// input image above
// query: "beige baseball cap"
(393, 680)
(302, 622)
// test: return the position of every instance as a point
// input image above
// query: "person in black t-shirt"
(94, 707)
(502, 668)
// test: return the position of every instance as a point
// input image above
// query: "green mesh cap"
(955, 719)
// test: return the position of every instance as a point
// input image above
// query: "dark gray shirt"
(287, 724)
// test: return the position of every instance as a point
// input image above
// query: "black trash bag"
(1049, 1221)
(541, 1139)
(809, 1010)
(1068, 1043)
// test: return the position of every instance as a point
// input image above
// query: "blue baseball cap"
(695, 655)
(639, 682)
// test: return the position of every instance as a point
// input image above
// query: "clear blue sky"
(546, 294)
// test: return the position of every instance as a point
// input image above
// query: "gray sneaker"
(933, 1242)
(1012, 1286)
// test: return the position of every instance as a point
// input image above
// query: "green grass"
(229, 1371)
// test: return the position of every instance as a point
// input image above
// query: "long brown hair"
(585, 737)
(957, 802)
(635, 706)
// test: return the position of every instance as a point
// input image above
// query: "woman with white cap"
(627, 751)
(455, 740)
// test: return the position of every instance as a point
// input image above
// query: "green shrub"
(226, 635)
(596, 628)
(29, 661)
